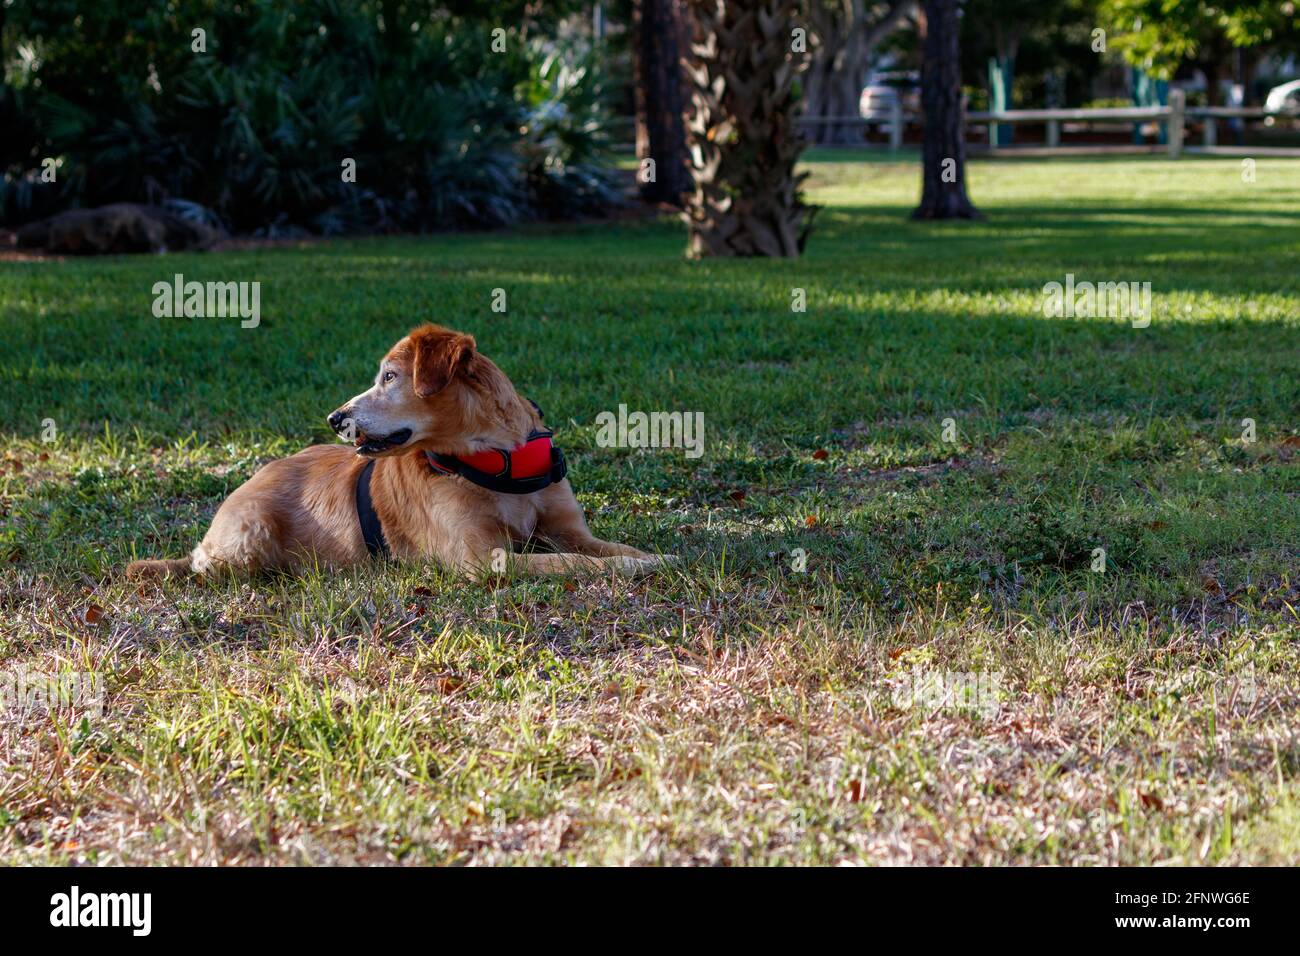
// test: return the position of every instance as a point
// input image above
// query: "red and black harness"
(523, 470)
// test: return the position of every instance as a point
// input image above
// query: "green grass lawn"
(734, 709)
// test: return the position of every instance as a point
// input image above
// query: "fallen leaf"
(93, 613)
(690, 654)
(448, 683)
(821, 454)
(810, 520)
(738, 497)
(1151, 801)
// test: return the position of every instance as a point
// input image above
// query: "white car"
(878, 96)
(1284, 97)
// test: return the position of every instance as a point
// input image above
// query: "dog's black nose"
(336, 419)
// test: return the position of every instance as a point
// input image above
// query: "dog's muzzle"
(365, 444)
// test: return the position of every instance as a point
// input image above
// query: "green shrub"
(445, 132)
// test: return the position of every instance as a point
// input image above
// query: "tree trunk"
(943, 193)
(845, 40)
(1211, 70)
(829, 86)
(660, 100)
(835, 89)
(1246, 60)
(740, 130)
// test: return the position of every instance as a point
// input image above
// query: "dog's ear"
(439, 355)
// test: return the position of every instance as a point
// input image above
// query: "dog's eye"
(389, 376)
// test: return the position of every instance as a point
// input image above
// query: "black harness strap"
(371, 528)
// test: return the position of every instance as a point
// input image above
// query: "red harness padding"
(522, 470)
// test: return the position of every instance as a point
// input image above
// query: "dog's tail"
(139, 570)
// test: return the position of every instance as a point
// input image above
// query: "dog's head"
(434, 392)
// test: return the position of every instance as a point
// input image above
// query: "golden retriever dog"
(448, 463)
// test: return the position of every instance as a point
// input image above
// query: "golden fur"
(434, 382)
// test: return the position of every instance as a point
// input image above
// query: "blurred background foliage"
(445, 132)
(449, 133)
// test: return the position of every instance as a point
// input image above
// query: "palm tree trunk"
(741, 133)
(943, 193)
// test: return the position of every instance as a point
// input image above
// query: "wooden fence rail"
(1175, 116)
